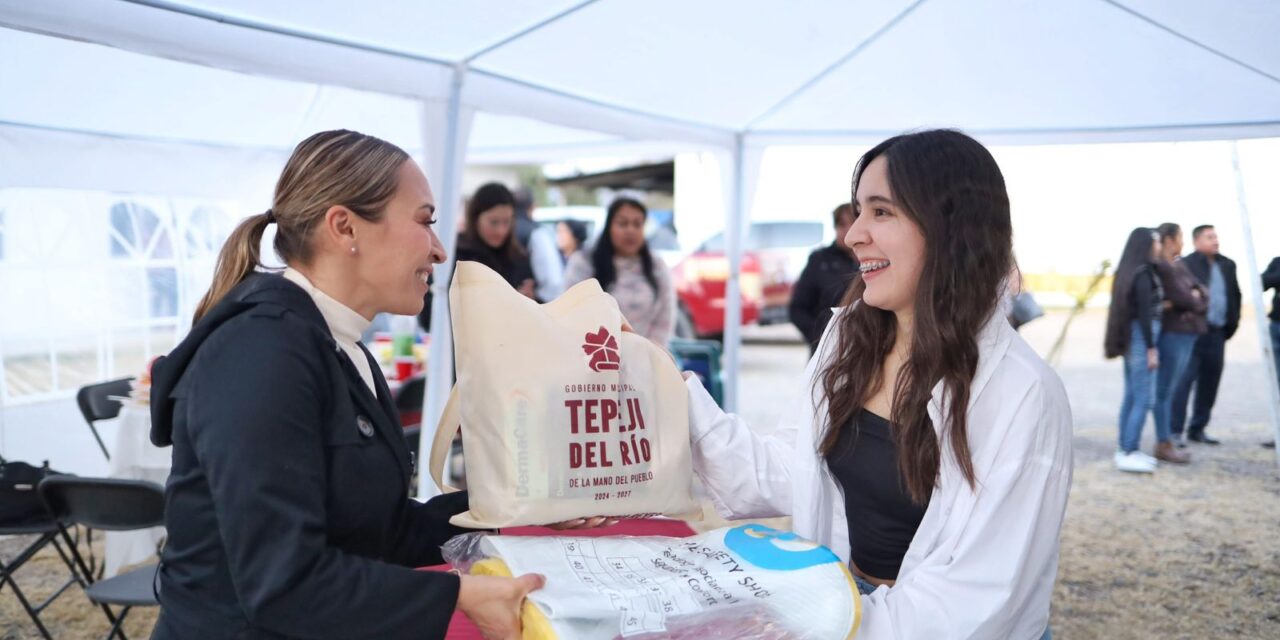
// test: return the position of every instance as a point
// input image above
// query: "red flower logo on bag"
(602, 348)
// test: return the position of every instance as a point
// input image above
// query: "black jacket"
(821, 286)
(514, 271)
(1271, 280)
(1199, 266)
(287, 506)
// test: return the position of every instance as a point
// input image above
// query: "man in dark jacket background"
(1218, 274)
(824, 281)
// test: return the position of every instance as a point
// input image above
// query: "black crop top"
(882, 518)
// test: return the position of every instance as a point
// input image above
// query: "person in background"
(664, 236)
(288, 509)
(824, 281)
(1181, 324)
(1217, 274)
(624, 266)
(1133, 328)
(570, 236)
(1271, 280)
(544, 256)
(488, 238)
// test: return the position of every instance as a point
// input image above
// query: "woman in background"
(1133, 331)
(1184, 319)
(489, 237)
(624, 266)
(570, 236)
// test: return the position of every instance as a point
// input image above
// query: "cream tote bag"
(563, 415)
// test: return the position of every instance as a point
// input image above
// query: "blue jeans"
(1175, 357)
(1139, 388)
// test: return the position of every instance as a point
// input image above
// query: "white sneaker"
(1134, 462)
(1141, 454)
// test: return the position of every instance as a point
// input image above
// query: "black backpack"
(20, 503)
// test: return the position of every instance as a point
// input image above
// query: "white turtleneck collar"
(345, 324)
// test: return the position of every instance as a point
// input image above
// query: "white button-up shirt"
(983, 561)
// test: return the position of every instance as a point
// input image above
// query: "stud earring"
(353, 249)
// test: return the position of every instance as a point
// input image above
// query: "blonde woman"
(287, 509)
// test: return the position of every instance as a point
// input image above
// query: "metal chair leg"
(6, 576)
(86, 571)
(117, 629)
(100, 443)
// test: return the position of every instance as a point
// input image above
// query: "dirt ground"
(1190, 552)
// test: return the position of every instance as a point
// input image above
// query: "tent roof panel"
(696, 73)
(710, 62)
(90, 87)
(443, 30)
(1003, 66)
(1247, 30)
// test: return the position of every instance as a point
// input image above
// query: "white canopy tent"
(202, 95)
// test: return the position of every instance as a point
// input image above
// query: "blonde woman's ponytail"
(238, 258)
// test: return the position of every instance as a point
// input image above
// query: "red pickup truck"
(773, 255)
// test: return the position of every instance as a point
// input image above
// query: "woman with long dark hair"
(624, 266)
(1133, 331)
(489, 237)
(570, 236)
(931, 447)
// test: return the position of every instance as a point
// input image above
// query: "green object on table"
(402, 345)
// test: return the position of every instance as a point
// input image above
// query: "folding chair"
(111, 505)
(38, 523)
(97, 403)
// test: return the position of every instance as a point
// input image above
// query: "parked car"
(774, 254)
(701, 279)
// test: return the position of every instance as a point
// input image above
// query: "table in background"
(135, 458)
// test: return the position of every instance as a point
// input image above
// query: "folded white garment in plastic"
(746, 582)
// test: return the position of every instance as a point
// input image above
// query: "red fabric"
(462, 629)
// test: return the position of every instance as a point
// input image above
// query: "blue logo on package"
(757, 544)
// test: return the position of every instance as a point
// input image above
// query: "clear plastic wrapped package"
(749, 582)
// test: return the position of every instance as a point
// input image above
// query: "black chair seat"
(132, 589)
(28, 528)
(111, 505)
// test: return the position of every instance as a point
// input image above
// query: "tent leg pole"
(1264, 334)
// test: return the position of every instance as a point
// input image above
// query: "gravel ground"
(1187, 552)
(1190, 552)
